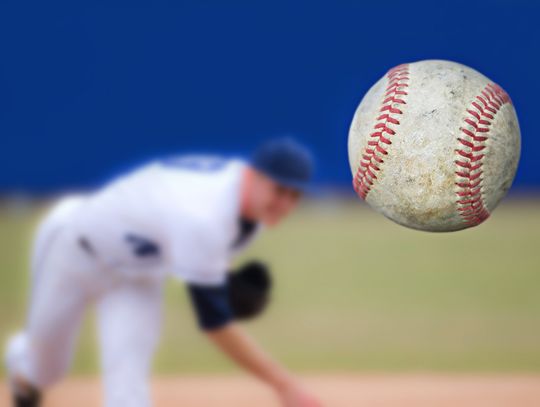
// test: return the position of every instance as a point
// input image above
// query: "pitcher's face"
(271, 201)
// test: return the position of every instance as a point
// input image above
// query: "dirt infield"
(334, 390)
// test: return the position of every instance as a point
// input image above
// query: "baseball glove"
(249, 289)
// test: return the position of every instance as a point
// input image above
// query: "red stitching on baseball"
(372, 157)
(483, 109)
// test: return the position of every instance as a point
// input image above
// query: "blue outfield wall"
(86, 90)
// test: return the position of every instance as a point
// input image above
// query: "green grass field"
(355, 292)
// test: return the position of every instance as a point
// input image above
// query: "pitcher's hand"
(294, 395)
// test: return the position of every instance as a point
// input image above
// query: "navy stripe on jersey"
(142, 246)
(246, 230)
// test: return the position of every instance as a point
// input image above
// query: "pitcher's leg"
(40, 354)
(129, 324)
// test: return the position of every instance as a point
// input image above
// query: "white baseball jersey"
(112, 249)
(178, 216)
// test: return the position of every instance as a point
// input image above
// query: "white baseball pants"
(66, 280)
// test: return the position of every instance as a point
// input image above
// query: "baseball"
(434, 145)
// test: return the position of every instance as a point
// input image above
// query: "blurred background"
(89, 90)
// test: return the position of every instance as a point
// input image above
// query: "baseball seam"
(372, 156)
(472, 143)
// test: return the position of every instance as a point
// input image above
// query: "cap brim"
(301, 186)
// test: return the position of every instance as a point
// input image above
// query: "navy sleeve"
(211, 305)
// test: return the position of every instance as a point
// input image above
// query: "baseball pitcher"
(185, 216)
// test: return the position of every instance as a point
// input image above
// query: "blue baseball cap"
(286, 161)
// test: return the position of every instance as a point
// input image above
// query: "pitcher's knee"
(17, 357)
(36, 363)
